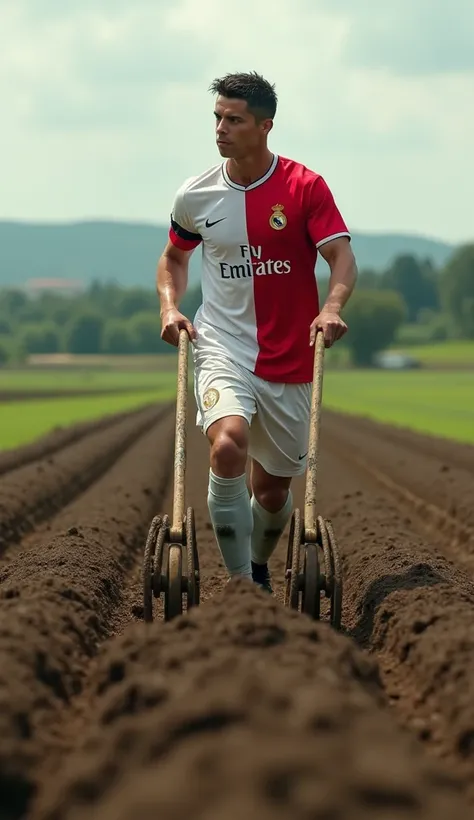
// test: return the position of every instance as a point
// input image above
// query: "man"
(260, 219)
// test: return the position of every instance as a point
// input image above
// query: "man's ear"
(267, 126)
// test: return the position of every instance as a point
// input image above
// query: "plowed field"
(241, 708)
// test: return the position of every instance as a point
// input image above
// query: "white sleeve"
(182, 224)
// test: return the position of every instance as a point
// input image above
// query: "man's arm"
(172, 276)
(340, 258)
(171, 284)
(331, 236)
(172, 271)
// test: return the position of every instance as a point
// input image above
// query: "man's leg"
(272, 505)
(228, 496)
(226, 405)
(277, 447)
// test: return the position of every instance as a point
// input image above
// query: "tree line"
(106, 318)
(412, 301)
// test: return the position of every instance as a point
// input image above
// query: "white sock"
(231, 516)
(267, 528)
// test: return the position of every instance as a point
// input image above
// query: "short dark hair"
(258, 93)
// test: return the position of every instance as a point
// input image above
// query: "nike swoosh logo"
(210, 224)
(300, 458)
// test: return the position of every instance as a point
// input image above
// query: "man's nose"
(221, 128)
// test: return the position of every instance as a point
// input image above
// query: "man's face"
(238, 134)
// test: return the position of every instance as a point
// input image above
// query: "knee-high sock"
(267, 528)
(231, 516)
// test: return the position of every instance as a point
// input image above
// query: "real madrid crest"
(278, 219)
(210, 398)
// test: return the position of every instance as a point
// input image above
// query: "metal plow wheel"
(171, 561)
(313, 565)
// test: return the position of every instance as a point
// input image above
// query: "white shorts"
(278, 414)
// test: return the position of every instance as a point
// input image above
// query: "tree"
(373, 318)
(467, 322)
(104, 297)
(433, 324)
(57, 307)
(135, 301)
(431, 277)
(117, 338)
(190, 302)
(368, 278)
(12, 302)
(146, 333)
(40, 338)
(3, 354)
(415, 281)
(84, 333)
(457, 290)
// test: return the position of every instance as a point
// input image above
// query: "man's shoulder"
(298, 170)
(201, 180)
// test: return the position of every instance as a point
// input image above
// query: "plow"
(171, 558)
(313, 565)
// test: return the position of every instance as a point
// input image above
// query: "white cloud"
(106, 107)
(421, 37)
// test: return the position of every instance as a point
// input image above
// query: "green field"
(441, 403)
(146, 380)
(432, 402)
(442, 354)
(21, 422)
(429, 400)
(83, 379)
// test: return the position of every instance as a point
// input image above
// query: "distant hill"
(127, 252)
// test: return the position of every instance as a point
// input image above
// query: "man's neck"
(248, 169)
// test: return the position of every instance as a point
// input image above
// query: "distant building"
(34, 287)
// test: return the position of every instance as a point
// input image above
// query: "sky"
(105, 107)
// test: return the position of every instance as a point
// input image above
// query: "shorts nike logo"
(302, 457)
(210, 224)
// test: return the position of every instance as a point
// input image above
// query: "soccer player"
(260, 220)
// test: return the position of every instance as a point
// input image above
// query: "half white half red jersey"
(259, 249)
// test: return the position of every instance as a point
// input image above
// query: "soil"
(33, 492)
(242, 706)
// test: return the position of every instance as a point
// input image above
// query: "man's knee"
(270, 491)
(273, 498)
(229, 441)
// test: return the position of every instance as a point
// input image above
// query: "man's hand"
(331, 324)
(172, 321)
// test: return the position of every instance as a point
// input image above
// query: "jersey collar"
(252, 185)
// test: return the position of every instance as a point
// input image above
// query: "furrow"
(57, 603)
(35, 492)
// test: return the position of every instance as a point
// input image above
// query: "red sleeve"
(182, 231)
(324, 220)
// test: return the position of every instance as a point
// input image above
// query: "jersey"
(259, 250)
